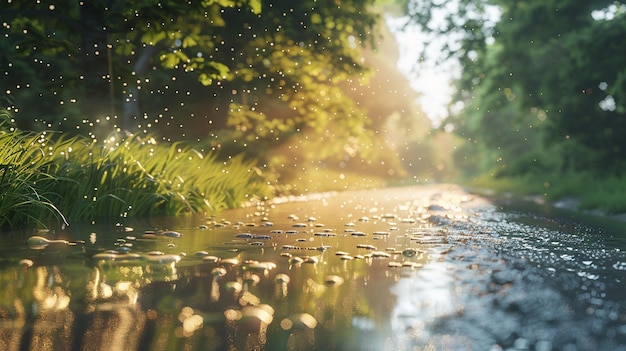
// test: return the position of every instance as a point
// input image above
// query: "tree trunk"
(95, 69)
(132, 111)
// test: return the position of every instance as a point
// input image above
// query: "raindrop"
(299, 321)
(218, 272)
(282, 278)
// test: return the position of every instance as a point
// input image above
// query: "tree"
(89, 53)
(229, 73)
(550, 69)
(107, 52)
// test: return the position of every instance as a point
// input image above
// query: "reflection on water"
(396, 269)
(422, 297)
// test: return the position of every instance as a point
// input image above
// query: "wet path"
(520, 283)
(419, 268)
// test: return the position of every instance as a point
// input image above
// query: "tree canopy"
(230, 73)
(67, 63)
(542, 82)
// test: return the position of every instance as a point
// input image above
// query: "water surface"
(419, 268)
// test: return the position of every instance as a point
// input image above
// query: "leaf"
(169, 60)
(152, 38)
(221, 68)
(189, 41)
(183, 57)
(316, 18)
(124, 49)
(255, 5)
(205, 79)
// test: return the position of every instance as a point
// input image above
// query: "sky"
(432, 81)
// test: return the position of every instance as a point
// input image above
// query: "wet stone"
(504, 277)
(171, 234)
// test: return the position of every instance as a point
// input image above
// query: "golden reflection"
(281, 287)
(12, 312)
(217, 273)
(191, 321)
(114, 319)
(253, 324)
(301, 328)
(53, 319)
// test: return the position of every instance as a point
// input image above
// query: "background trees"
(229, 73)
(105, 56)
(542, 83)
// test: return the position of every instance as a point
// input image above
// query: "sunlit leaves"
(169, 60)
(218, 71)
(255, 5)
(189, 41)
(280, 62)
(153, 37)
(134, 38)
(124, 48)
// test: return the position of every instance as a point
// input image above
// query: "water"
(420, 268)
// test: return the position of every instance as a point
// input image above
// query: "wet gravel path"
(417, 268)
(515, 281)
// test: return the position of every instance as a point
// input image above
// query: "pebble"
(310, 259)
(333, 280)
(171, 234)
(380, 254)
(211, 259)
(162, 259)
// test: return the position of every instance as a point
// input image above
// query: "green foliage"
(90, 55)
(541, 80)
(585, 189)
(262, 49)
(46, 176)
(251, 71)
(21, 200)
(604, 194)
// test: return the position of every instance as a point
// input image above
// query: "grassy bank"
(47, 178)
(591, 191)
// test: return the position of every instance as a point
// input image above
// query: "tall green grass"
(22, 199)
(47, 177)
